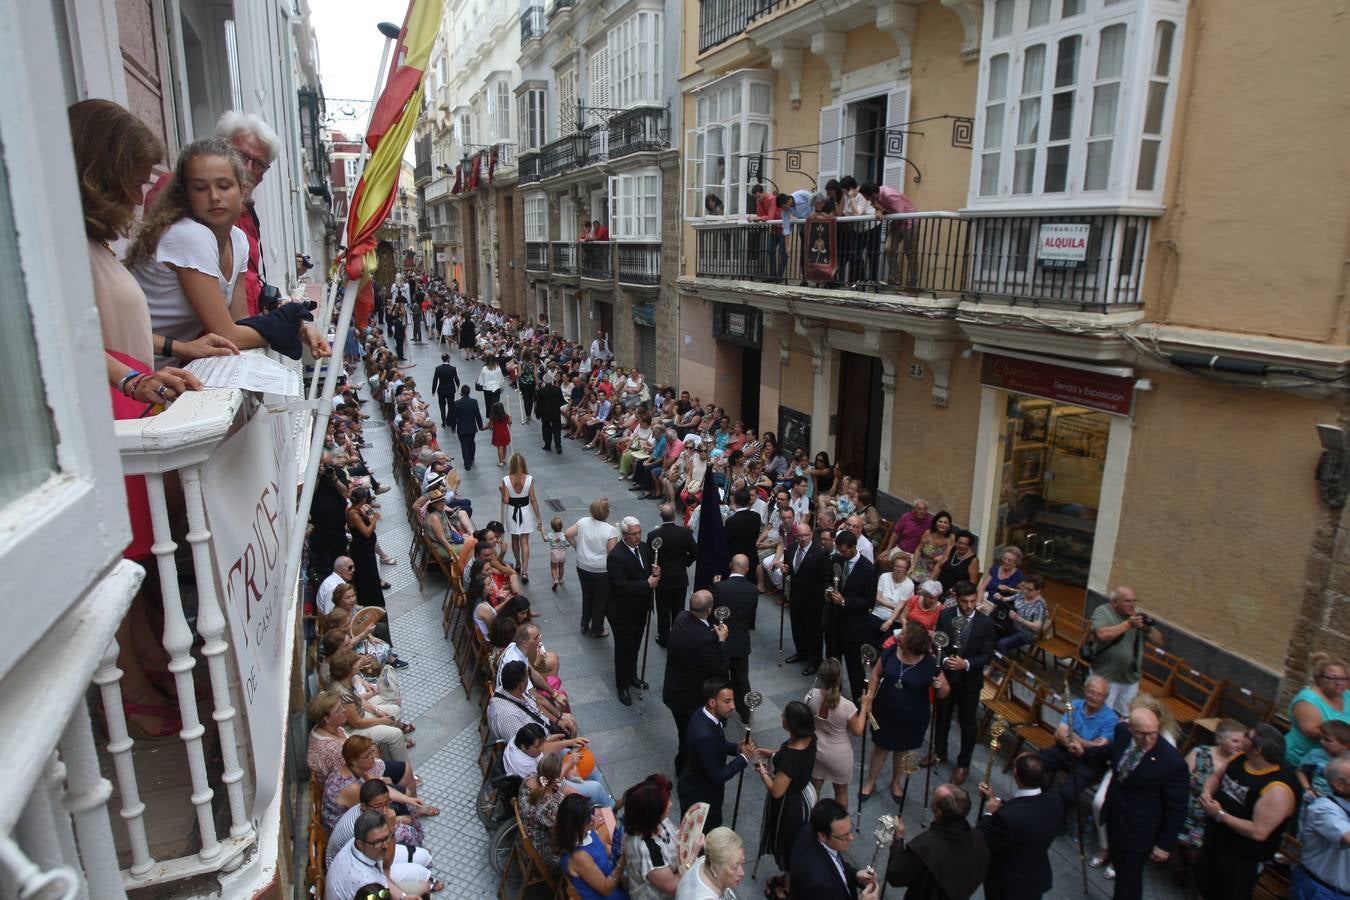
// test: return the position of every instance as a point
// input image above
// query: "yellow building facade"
(1109, 331)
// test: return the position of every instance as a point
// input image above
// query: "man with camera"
(1117, 646)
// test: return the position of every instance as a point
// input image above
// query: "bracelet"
(122, 385)
(167, 349)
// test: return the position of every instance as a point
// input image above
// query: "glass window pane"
(993, 126)
(989, 174)
(1066, 63)
(998, 77)
(1162, 50)
(1070, 8)
(1153, 111)
(1033, 69)
(1061, 116)
(1148, 164)
(27, 445)
(1111, 52)
(1056, 168)
(1029, 120)
(1038, 13)
(1098, 165)
(1024, 170)
(1104, 103)
(760, 98)
(1003, 17)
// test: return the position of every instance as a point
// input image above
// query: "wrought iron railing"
(536, 256)
(533, 24)
(564, 258)
(1086, 262)
(560, 6)
(639, 129)
(530, 166)
(639, 264)
(557, 157)
(422, 171)
(597, 145)
(721, 20)
(597, 260)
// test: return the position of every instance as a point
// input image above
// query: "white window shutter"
(600, 78)
(897, 114)
(830, 129)
(693, 174)
(616, 231)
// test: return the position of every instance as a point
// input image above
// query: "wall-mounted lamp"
(1331, 468)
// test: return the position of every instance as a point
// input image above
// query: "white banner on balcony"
(249, 517)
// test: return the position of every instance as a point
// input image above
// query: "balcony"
(636, 130)
(597, 259)
(564, 258)
(640, 264)
(721, 20)
(422, 172)
(530, 167)
(536, 256)
(533, 24)
(574, 151)
(1088, 263)
(561, 8)
(437, 189)
(557, 157)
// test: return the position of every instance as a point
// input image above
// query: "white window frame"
(635, 206)
(565, 118)
(536, 218)
(837, 127)
(52, 521)
(498, 99)
(597, 68)
(993, 164)
(724, 116)
(532, 109)
(634, 64)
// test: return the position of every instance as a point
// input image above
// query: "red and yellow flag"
(391, 127)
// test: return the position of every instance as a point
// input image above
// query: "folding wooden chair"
(526, 859)
(1040, 732)
(1015, 701)
(1235, 702)
(994, 676)
(1190, 695)
(1156, 669)
(1063, 635)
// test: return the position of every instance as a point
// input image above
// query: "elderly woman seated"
(360, 763)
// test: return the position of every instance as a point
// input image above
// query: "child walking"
(500, 423)
(557, 550)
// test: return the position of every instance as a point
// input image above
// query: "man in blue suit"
(706, 748)
(468, 422)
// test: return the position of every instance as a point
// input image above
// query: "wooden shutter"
(897, 114)
(599, 79)
(830, 130)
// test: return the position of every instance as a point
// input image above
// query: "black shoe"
(811, 668)
(639, 684)
(398, 663)
(795, 658)
(661, 642)
(624, 697)
(560, 451)
(547, 449)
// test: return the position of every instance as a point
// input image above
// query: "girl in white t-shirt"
(190, 258)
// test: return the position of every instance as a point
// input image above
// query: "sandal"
(408, 727)
(410, 742)
(437, 886)
(429, 812)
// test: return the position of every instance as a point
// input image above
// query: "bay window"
(634, 60)
(729, 143)
(1062, 82)
(635, 206)
(498, 102)
(536, 218)
(531, 104)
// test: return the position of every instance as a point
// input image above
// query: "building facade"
(597, 104)
(1091, 341)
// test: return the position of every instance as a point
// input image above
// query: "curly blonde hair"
(172, 204)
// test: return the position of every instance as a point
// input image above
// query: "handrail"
(711, 221)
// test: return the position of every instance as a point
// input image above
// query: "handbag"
(388, 686)
(1088, 651)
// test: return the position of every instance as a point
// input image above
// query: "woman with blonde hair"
(523, 520)
(1326, 699)
(539, 798)
(592, 537)
(189, 258)
(718, 870)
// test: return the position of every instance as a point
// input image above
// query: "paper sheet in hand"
(247, 372)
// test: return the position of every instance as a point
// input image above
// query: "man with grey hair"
(366, 859)
(1323, 872)
(343, 570)
(632, 586)
(1092, 725)
(1119, 631)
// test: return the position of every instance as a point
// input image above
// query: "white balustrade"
(108, 678)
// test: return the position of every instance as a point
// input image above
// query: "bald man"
(1146, 802)
(949, 859)
(696, 650)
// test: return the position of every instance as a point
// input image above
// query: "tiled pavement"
(630, 742)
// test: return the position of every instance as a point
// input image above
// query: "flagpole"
(324, 411)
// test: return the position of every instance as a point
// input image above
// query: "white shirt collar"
(1027, 792)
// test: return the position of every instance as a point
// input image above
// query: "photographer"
(1117, 646)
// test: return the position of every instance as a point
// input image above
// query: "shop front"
(1055, 442)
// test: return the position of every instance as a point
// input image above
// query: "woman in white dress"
(721, 868)
(523, 519)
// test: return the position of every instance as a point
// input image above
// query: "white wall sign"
(1062, 245)
(249, 516)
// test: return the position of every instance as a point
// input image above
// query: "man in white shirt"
(799, 500)
(374, 798)
(600, 352)
(855, 525)
(343, 570)
(363, 860)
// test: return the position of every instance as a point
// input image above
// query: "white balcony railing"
(203, 803)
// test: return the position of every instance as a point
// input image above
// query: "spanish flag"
(391, 127)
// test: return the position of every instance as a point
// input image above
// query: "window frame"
(52, 521)
(635, 206)
(536, 217)
(715, 128)
(532, 115)
(1090, 21)
(634, 64)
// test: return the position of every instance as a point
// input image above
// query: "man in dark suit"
(445, 382)
(852, 602)
(741, 598)
(697, 651)
(743, 526)
(707, 771)
(468, 420)
(819, 870)
(632, 578)
(679, 550)
(809, 609)
(1146, 802)
(1019, 833)
(946, 862)
(970, 650)
(547, 405)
